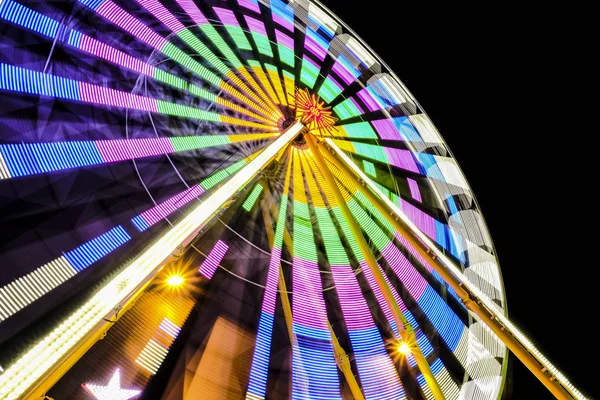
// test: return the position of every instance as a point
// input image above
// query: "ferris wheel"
(209, 199)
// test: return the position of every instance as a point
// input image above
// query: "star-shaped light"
(112, 391)
(313, 112)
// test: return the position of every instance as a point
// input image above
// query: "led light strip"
(156, 350)
(192, 10)
(444, 320)
(28, 288)
(491, 307)
(213, 259)
(447, 324)
(21, 159)
(165, 16)
(257, 384)
(50, 351)
(252, 197)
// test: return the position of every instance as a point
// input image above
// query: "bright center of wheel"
(313, 112)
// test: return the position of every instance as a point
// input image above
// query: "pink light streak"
(172, 204)
(284, 40)
(255, 25)
(111, 97)
(405, 271)
(125, 21)
(414, 189)
(402, 159)
(190, 8)
(226, 16)
(386, 129)
(249, 5)
(113, 55)
(308, 303)
(283, 22)
(379, 294)
(423, 221)
(343, 73)
(354, 306)
(162, 14)
(272, 282)
(123, 149)
(368, 99)
(314, 48)
(214, 258)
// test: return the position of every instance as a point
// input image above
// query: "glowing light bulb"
(175, 280)
(403, 348)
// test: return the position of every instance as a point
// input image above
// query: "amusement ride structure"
(229, 199)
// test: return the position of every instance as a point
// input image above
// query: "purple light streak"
(214, 258)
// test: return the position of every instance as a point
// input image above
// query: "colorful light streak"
(252, 197)
(28, 288)
(23, 159)
(154, 353)
(378, 374)
(414, 189)
(285, 46)
(347, 109)
(124, 20)
(283, 14)
(314, 371)
(17, 79)
(257, 384)
(438, 312)
(309, 72)
(213, 259)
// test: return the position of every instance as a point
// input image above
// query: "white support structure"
(45, 358)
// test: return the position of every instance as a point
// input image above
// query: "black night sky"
(499, 82)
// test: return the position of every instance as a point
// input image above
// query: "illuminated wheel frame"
(122, 121)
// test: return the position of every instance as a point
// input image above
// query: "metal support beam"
(471, 296)
(39, 368)
(405, 329)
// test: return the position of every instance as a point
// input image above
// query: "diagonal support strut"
(473, 299)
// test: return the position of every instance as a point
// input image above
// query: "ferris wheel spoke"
(24, 159)
(257, 385)
(440, 316)
(30, 287)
